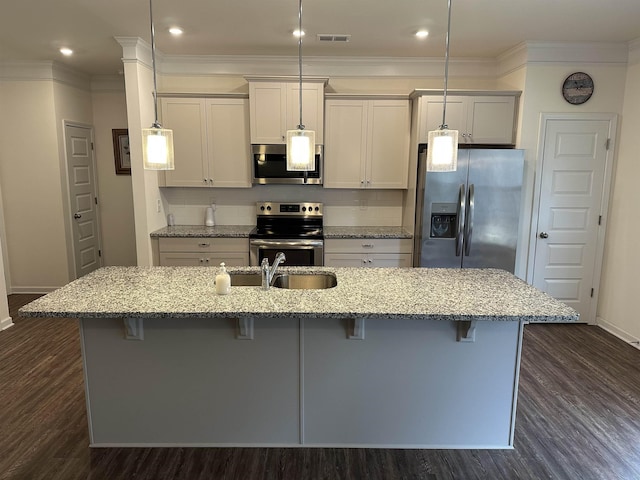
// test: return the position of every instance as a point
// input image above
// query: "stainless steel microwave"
(270, 166)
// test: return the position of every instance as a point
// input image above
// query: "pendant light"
(157, 142)
(442, 150)
(301, 143)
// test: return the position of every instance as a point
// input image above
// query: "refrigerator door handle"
(460, 220)
(468, 223)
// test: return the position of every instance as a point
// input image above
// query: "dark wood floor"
(578, 418)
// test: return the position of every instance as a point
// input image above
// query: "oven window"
(295, 257)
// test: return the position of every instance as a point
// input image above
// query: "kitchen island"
(425, 358)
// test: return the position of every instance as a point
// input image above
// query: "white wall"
(31, 189)
(115, 192)
(618, 300)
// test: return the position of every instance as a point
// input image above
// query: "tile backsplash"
(237, 206)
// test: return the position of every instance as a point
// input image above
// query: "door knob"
(77, 215)
(543, 235)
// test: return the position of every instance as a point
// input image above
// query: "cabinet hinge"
(592, 293)
(91, 145)
(100, 254)
(95, 199)
(608, 144)
(600, 220)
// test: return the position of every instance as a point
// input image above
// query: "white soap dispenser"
(223, 281)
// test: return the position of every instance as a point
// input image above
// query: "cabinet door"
(391, 260)
(229, 155)
(312, 108)
(346, 144)
(388, 146)
(344, 260)
(268, 105)
(187, 118)
(431, 115)
(184, 260)
(491, 119)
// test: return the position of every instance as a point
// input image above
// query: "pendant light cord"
(300, 125)
(153, 64)
(446, 68)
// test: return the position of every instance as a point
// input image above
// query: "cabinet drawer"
(368, 245)
(203, 244)
(390, 260)
(204, 259)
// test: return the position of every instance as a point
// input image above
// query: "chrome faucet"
(268, 272)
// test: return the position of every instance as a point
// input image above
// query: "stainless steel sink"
(305, 281)
(245, 279)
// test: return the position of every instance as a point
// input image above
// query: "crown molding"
(44, 71)
(246, 65)
(634, 52)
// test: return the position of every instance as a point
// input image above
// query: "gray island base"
(392, 358)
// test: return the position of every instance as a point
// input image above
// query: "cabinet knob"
(204, 245)
(367, 245)
(543, 235)
(77, 215)
(204, 180)
(364, 260)
(370, 261)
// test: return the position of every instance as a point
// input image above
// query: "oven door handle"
(285, 243)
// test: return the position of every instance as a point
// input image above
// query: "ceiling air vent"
(333, 37)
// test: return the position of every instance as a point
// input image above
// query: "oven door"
(299, 253)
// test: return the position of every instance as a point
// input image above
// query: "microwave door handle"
(468, 224)
(460, 220)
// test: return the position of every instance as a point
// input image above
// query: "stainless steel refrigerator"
(469, 218)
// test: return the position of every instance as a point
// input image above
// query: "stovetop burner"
(288, 220)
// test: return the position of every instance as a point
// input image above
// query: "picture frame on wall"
(121, 153)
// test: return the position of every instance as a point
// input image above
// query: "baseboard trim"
(6, 323)
(33, 290)
(618, 332)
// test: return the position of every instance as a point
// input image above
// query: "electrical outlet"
(158, 205)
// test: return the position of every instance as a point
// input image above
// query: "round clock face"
(577, 88)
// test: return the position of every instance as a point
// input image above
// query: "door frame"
(66, 200)
(612, 118)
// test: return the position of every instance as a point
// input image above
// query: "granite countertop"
(418, 293)
(244, 230)
(203, 231)
(365, 232)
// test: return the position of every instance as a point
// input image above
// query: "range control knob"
(262, 208)
(268, 208)
(317, 209)
(304, 209)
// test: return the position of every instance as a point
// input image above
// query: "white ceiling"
(36, 29)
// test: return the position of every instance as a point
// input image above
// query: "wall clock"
(577, 88)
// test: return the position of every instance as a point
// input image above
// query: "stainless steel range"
(292, 228)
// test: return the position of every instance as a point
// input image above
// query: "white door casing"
(575, 158)
(83, 199)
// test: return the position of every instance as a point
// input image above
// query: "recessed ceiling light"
(422, 34)
(297, 33)
(66, 51)
(176, 31)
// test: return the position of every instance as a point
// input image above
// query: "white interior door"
(83, 199)
(573, 188)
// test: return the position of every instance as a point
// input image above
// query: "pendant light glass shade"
(442, 151)
(157, 142)
(301, 143)
(157, 148)
(301, 150)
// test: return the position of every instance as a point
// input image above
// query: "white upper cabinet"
(479, 119)
(275, 108)
(367, 143)
(211, 141)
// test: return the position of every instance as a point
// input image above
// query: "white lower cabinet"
(368, 252)
(198, 252)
